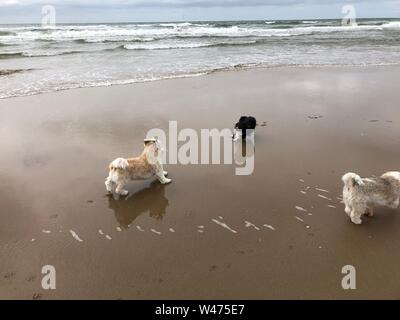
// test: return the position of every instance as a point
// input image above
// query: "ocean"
(34, 59)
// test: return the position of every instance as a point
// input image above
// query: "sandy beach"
(163, 242)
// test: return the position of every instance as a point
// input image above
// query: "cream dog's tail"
(352, 180)
(119, 164)
(117, 167)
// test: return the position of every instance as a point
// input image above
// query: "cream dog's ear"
(156, 149)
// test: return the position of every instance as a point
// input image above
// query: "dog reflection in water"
(243, 149)
(150, 200)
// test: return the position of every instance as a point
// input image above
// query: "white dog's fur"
(359, 195)
(147, 165)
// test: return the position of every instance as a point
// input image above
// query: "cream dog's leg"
(162, 178)
(120, 190)
(160, 174)
(109, 185)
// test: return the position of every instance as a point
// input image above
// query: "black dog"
(245, 123)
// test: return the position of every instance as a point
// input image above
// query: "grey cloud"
(171, 3)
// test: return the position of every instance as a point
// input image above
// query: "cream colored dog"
(147, 165)
(359, 195)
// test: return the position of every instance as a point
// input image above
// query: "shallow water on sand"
(35, 59)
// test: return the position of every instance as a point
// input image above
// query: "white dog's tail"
(119, 163)
(352, 180)
(392, 174)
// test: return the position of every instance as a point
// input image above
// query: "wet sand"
(321, 122)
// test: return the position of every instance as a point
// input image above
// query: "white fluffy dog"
(359, 195)
(147, 165)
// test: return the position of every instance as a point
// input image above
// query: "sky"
(91, 11)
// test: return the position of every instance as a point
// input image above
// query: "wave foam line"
(155, 231)
(269, 227)
(75, 236)
(224, 225)
(106, 33)
(249, 224)
(324, 197)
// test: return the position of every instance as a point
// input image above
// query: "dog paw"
(109, 188)
(166, 181)
(356, 220)
(165, 173)
(123, 192)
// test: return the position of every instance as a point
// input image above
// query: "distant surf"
(72, 56)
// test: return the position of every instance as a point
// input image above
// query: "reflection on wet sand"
(151, 200)
(243, 149)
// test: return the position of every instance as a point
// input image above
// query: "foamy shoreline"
(237, 68)
(74, 56)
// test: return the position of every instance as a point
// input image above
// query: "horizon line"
(179, 21)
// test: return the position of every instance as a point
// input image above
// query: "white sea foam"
(300, 209)
(155, 231)
(269, 227)
(224, 225)
(167, 45)
(395, 25)
(95, 34)
(75, 236)
(324, 197)
(249, 224)
(161, 46)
